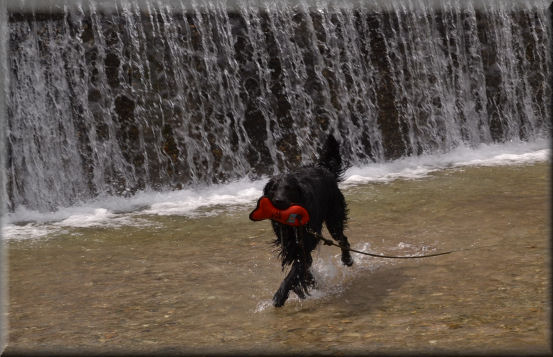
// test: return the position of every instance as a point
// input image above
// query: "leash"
(330, 242)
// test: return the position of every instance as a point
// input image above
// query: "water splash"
(333, 278)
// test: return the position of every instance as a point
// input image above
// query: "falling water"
(3, 251)
(162, 95)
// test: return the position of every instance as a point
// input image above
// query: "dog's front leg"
(283, 291)
(299, 280)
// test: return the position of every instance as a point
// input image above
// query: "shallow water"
(205, 284)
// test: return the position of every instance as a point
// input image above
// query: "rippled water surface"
(205, 284)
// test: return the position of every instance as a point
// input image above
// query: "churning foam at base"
(115, 212)
(420, 166)
(201, 201)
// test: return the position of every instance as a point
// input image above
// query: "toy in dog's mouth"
(294, 215)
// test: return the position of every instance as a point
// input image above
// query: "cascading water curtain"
(3, 195)
(157, 95)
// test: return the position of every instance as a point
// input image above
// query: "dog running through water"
(316, 189)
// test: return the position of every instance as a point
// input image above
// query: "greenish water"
(205, 284)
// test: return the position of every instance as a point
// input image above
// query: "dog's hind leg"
(346, 255)
(339, 236)
(335, 225)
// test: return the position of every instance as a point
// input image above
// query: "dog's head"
(283, 191)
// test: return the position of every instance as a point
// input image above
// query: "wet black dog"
(315, 188)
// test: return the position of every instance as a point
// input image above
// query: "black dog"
(316, 189)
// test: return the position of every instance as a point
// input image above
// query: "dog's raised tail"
(330, 157)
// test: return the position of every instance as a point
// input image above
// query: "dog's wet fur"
(316, 189)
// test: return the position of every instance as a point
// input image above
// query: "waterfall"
(160, 95)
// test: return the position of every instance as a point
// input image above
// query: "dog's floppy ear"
(268, 186)
(298, 188)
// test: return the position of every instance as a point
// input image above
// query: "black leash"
(330, 242)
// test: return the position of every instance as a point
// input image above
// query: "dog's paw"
(347, 259)
(299, 292)
(279, 299)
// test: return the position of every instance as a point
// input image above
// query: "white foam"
(87, 220)
(187, 202)
(510, 159)
(118, 211)
(109, 211)
(516, 153)
(101, 217)
(28, 231)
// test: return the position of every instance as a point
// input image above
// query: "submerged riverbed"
(204, 284)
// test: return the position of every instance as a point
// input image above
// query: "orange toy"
(293, 216)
